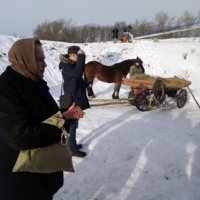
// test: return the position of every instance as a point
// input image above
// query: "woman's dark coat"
(23, 105)
(74, 84)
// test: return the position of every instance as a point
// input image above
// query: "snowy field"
(133, 155)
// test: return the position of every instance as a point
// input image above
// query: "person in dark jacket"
(115, 34)
(25, 102)
(72, 66)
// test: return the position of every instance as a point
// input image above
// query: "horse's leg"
(90, 90)
(115, 94)
(118, 88)
(89, 82)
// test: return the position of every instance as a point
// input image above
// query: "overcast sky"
(20, 17)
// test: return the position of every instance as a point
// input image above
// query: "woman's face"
(137, 64)
(39, 54)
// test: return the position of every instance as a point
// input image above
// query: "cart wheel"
(142, 101)
(132, 95)
(181, 98)
(159, 91)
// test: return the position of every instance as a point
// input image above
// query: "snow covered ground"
(131, 154)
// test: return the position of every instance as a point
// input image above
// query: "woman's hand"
(72, 106)
(74, 112)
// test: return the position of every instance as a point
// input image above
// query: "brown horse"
(108, 74)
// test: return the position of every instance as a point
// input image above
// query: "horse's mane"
(125, 63)
(128, 61)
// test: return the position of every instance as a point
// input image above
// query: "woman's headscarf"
(23, 59)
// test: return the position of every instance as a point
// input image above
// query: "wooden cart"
(145, 94)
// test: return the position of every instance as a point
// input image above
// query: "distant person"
(115, 34)
(136, 68)
(127, 36)
(72, 65)
(124, 36)
(24, 103)
(129, 28)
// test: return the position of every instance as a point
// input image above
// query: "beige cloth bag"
(49, 159)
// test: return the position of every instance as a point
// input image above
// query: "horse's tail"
(88, 86)
(85, 78)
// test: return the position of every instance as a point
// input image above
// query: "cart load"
(173, 82)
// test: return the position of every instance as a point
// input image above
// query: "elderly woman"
(25, 102)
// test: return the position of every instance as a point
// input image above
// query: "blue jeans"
(72, 138)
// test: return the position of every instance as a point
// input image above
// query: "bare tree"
(59, 30)
(49, 30)
(163, 22)
(142, 27)
(197, 31)
(186, 19)
(67, 31)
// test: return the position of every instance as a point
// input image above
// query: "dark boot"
(79, 146)
(78, 153)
